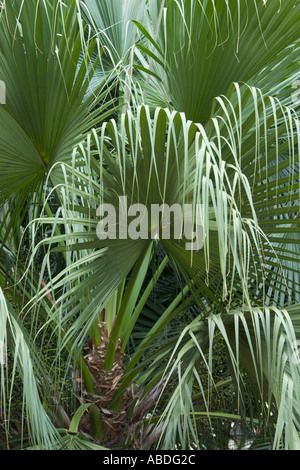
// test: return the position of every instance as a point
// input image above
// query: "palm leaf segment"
(46, 65)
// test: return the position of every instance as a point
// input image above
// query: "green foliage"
(187, 102)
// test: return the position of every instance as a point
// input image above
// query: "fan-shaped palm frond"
(167, 164)
(112, 23)
(47, 68)
(202, 47)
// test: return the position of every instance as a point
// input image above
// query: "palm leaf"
(205, 46)
(14, 338)
(47, 111)
(155, 174)
(261, 343)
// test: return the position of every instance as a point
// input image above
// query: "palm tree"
(208, 120)
(46, 66)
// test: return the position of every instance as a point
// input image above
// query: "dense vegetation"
(139, 344)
